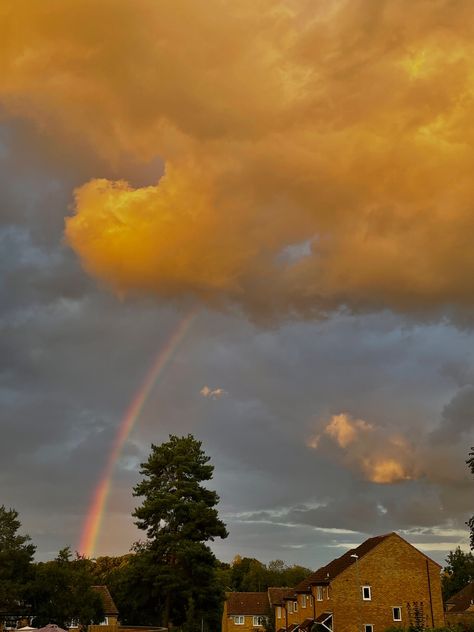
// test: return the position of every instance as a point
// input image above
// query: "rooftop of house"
(462, 601)
(108, 603)
(326, 573)
(276, 595)
(250, 603)
(337, 566)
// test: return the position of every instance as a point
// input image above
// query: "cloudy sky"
(299, 175)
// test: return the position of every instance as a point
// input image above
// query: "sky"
(298, 175)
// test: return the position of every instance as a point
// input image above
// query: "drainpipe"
(429, 591)
(286, 614)
(314, 604)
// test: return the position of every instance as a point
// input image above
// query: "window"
(319, 593)
(239, 620)
(366, 593)
(278, 612)
(295, 606)
(258, 620)
(397, 613)
(105, 621)
(303, 601)
(290, 606)
(311, 600)
(327, 592)
(368, 627)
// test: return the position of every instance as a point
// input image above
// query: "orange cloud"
(344, 126)
(375, 454)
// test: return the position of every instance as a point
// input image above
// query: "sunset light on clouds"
(300, 172)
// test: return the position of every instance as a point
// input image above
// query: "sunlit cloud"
(212, 393)
(376, 454)
(277, 127)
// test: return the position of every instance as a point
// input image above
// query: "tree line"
(172, 577)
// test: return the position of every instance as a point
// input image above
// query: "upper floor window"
(258, 620)
(397, 613)
(311, 600)
(290, 606)
(295, 606)
(366, 593)
(368, 627)
(328, 592)
(319, 593)
(239, 619)
(278, 612)
(303, 601)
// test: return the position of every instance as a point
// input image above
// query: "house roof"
(247, 603)
(277, 595)
(326, 573)
(462, 600)
(108, 603)
(307, 623)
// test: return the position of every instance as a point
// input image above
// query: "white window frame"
(258, 620)
(368, 627)
(295, 606)
(303, 601)
(278, 612)
(399, 608)
(327, 592)
(319, 593)
(311, 600)
(369, 598)
(239, 619)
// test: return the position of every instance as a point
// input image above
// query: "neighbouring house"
(110, 609)
(110, 612)
(384, 582)
(245, 611)
(460, 607)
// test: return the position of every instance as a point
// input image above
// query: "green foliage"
(458, 572)
(470, 522)
(179, 516)
(16, 556)
(61, 592)
(250, 575)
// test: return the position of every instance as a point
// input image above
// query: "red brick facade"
(401, 584)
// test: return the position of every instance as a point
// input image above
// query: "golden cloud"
(344, 126)
(369, 450)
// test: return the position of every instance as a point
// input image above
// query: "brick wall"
(397, 574)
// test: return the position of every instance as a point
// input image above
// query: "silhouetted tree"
(458, 572)
(179, 516)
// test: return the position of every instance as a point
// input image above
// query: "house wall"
(228, 624)
(397, 574)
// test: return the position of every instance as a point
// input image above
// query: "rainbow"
(95, 513)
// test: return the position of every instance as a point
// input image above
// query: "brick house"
(383, 582)
(245, 611)
(460, 607)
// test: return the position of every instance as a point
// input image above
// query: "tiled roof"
(323, 616)
(108, 603)
(306, 625)
(276, 595)
(463, 600)
(247, 603)
(324, 574)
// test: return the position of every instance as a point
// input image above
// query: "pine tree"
(179, 516)
(470, 522)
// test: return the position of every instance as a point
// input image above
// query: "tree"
(62, 593)
(470, 523)
(16, 556)
(458, 572)
(179, 516)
